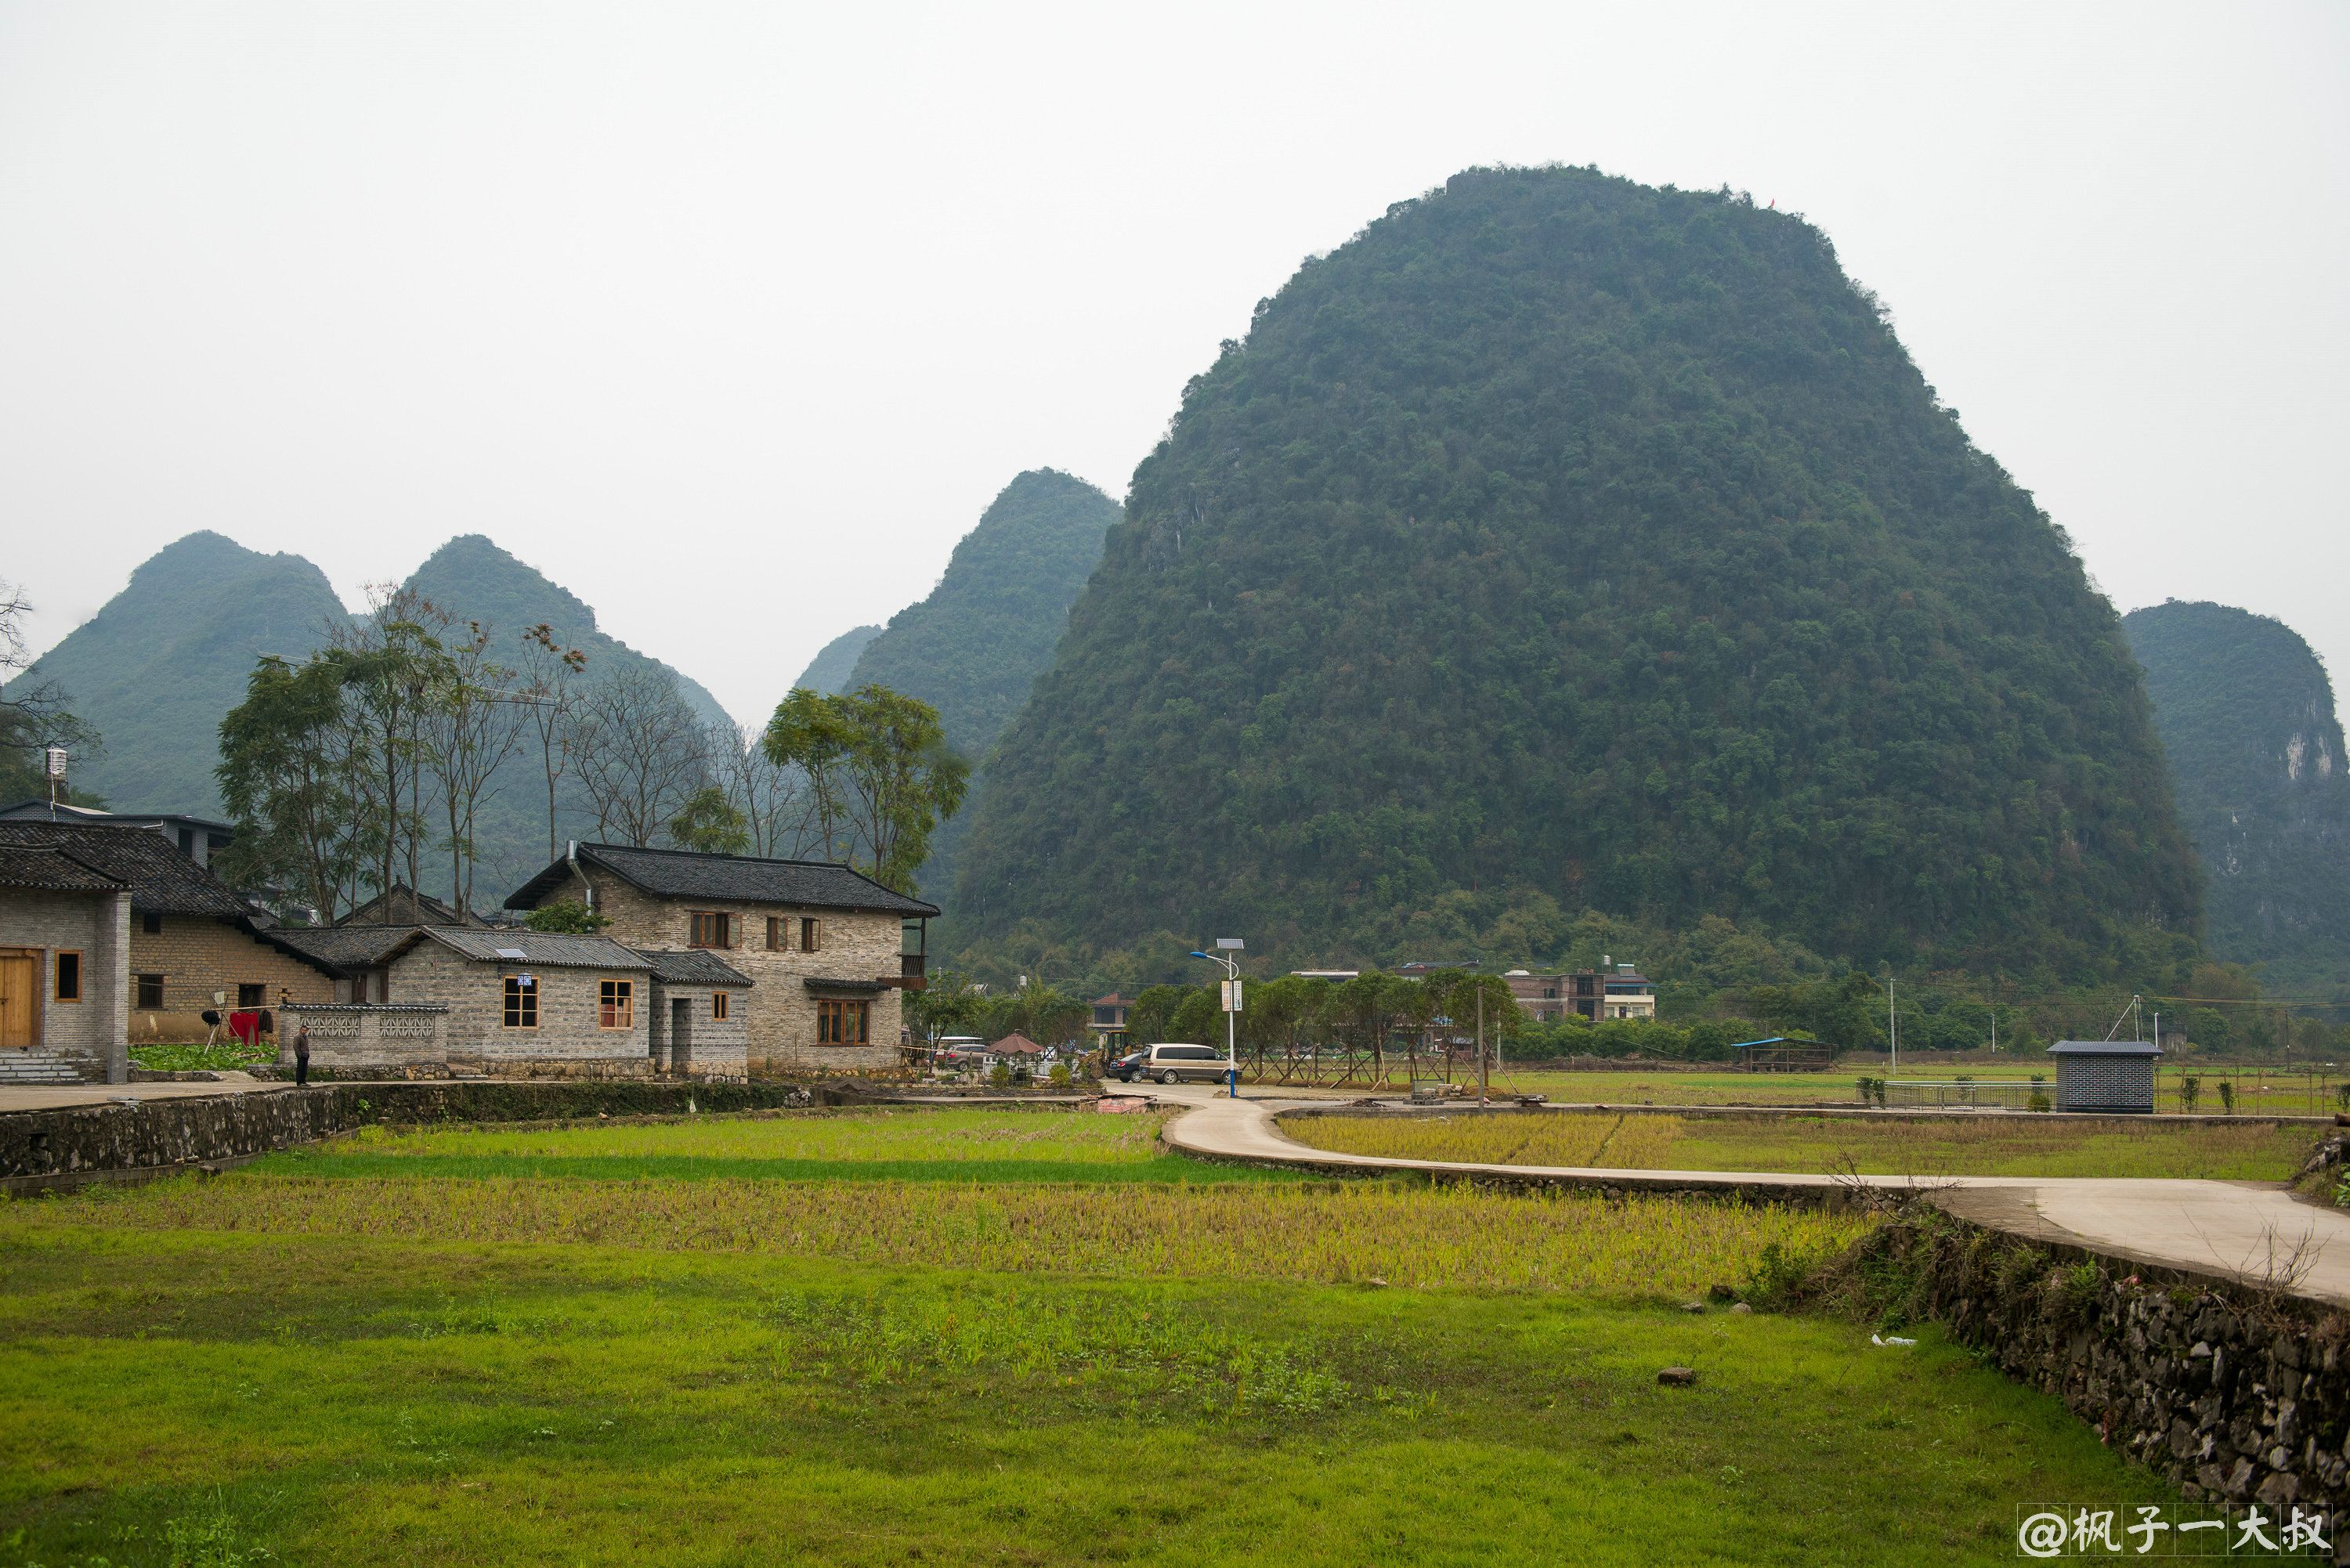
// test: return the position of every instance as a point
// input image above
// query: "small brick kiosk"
(2106, 1075)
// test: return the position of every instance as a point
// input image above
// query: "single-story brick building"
(516, 1002)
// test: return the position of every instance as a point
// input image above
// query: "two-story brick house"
(829, 950)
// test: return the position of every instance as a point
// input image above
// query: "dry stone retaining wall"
(2235, 1393)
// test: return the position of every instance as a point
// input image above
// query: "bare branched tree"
(638, 751)
(549, 685)
(33, 713)
(472, 729)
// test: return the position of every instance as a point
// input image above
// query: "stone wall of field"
(2235, 1392)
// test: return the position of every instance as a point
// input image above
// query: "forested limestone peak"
(971, 648)
(829, 670)
(2257, 758)
(1602, 543)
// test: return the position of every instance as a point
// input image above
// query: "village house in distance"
(1612, 991)
(828, 952)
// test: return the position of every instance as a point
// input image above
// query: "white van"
(1173, 1064)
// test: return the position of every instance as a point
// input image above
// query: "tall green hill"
(974, 646)
(829, 670)
(1560, 539)
(158, 665)
(972, 649)
(475, 579)
(2264, 785)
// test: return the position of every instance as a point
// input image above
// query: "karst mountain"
(1563, 542)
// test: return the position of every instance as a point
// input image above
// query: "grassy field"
(294, 1367)
(1994, 1146)
(973, 1146)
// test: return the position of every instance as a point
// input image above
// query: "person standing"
(302, 1055)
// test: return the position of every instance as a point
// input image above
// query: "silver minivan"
(1173, 1064)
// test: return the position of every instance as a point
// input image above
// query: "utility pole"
(1892, 1028)
(1484, 1075)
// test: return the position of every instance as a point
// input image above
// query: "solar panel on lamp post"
(1225, 947)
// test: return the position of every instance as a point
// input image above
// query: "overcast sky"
(732, 318)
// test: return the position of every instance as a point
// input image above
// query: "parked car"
(1174, 1063)
(960, 1051)
(1127, 1068)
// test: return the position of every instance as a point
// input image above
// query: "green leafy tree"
(710, 824)
(567, 915)
(287, 769)
(881, 772)
(947, 1005)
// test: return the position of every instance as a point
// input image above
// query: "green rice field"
(403, 1359)
(966, 1146)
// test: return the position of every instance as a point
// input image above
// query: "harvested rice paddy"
(1990, 1146)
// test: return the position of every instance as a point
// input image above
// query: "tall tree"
(638, 749)
(288, 760)
(881, 771)
(473, 728)
(393, 661)
(550, 687)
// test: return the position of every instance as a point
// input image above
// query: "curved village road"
(2245, 1230)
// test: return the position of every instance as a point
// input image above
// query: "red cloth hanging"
(245, 1026)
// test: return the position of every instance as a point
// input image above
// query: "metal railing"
(1958, 1094)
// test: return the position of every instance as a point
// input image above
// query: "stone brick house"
(701, 1019)
(577, 1002)
(191, 938)
(519, 1003)
(64, 937)
(829, 950)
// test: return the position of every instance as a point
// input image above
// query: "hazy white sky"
(732, 317)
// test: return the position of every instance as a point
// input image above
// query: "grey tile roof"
(53, 870)
(541, 950)
(695, 966)
(344, 947)
(2105, 1048)
(728, 879)
(163, 880)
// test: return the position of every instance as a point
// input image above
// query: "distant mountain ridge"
(475, 579)
(2262, 779)
(975, 645)
(157, 668)
(830, 670)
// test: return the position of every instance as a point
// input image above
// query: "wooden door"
(20, 980)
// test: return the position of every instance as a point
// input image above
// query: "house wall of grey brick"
(781, 1023)
(711, 1045)
(569, 1009)
(73, 1042)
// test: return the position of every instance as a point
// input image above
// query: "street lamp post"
(1225, 947)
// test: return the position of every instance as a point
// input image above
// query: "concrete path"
(49, 1096)
(2249, 1230)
